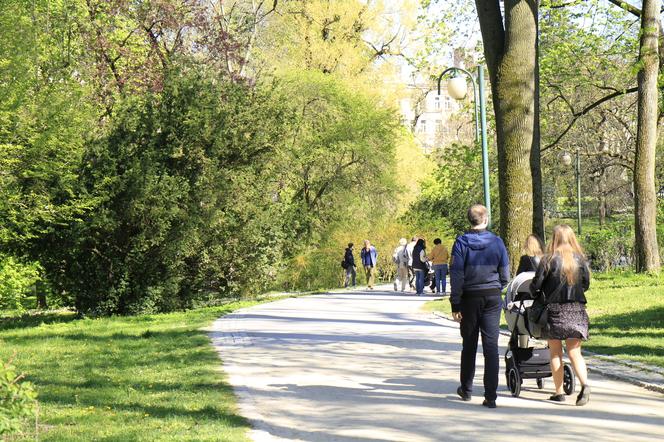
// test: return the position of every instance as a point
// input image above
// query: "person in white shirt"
(400, 259)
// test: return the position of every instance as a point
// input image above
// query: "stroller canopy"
(520, 284)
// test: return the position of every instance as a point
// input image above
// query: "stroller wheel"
(569, 380)
(514, 381)
(540, 383)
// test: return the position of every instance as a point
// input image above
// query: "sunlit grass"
(145, 378)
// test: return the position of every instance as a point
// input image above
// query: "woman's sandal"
(584, 395)
(557, 398)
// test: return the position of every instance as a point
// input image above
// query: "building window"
(448, 103)
(447, 132)
(423, 126)
(436, 102)
(439, 126)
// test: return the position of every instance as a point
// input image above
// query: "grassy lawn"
(626, 316)
(145, 378)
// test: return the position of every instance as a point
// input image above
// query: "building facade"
(434, 119)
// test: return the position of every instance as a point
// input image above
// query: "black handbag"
(537, 315)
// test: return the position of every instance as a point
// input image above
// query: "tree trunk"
(645, 196)
(535, 156)
(40, 294)
(601, 191)
(510, 52)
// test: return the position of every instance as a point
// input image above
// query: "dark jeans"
(480, 315)
(440, 271)
(350, 274)
(419, 282)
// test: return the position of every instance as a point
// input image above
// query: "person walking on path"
(532, 255)
(400, 258)
(479, 272)
(420, 265)
(369, 259)
(562, 279)
(439, 259)
(349, 262)
(411, 272)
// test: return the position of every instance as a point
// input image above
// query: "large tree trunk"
(510, 52)
(535, 155)
(645, 196)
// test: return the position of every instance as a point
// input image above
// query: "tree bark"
(40, 294)
(535, 154)
(645, 196)
(511, 52)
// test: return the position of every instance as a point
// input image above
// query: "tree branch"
(627, 7)
(584, 111)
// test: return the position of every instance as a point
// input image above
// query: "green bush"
(182, 209)
(16, 281)
(609, 247)
(454, 186)
(17, 399)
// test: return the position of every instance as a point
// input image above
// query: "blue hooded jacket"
(480, 266)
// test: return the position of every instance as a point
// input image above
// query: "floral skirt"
(567, 320)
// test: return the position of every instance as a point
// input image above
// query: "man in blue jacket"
(369, 259)
(478, 274)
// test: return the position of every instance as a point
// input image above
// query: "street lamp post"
(567, 160)
(456, 87)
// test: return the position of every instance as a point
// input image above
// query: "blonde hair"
(533, 246)
(403, 241)
(564, 244)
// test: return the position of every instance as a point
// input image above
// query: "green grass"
(148, 378)
(626, 316)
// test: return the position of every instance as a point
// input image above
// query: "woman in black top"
(562, 278)
(532, 254)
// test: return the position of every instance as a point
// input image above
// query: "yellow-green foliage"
(320, 267)
(17, 399)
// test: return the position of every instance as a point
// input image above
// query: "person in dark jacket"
(349, 262)
(563, 278)
(479, 272)
(420, 266)
(369, 257)
(532, 255)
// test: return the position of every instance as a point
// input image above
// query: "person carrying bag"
(563, 277)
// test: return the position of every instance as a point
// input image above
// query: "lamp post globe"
(566, 159)
(457, 88)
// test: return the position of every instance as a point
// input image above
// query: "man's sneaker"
(489, 404)
(463, 395)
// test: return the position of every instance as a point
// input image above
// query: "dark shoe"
(489, 404)
(584, 395)
(463, 395)
(557, 398)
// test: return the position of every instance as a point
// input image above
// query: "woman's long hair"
(533, 246)
(565, 245)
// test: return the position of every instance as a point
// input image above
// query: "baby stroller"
(523, 361)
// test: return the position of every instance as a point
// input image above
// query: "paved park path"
(368, 366)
